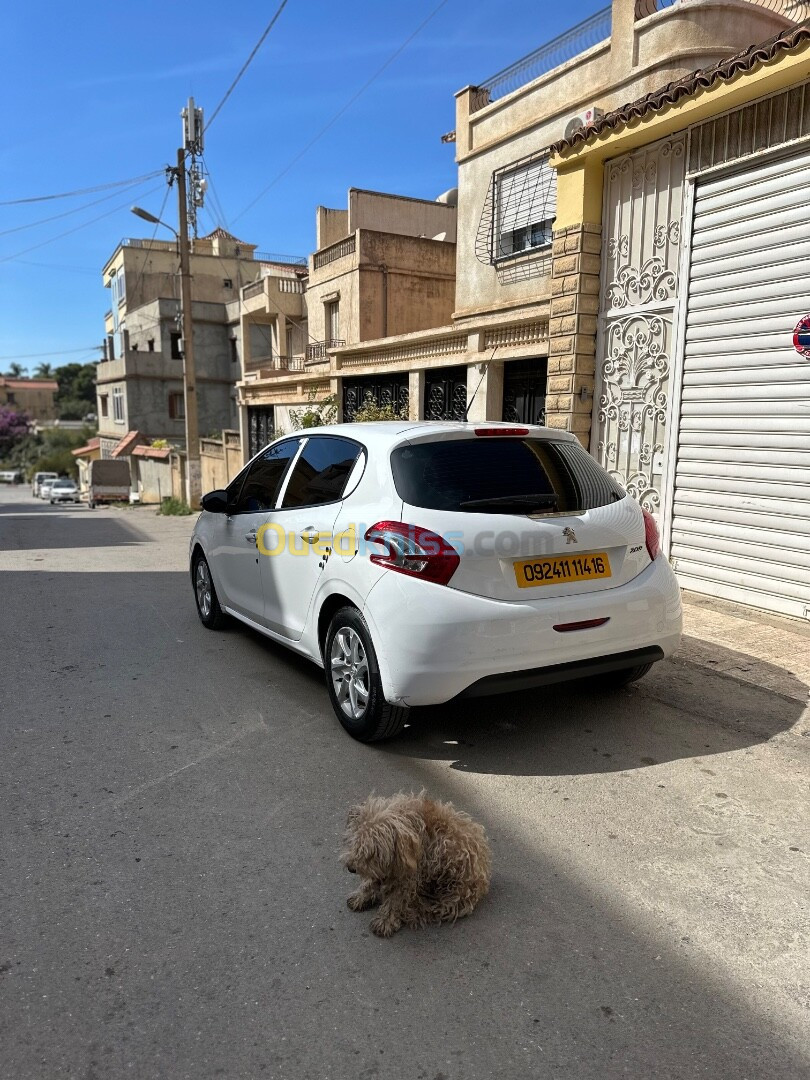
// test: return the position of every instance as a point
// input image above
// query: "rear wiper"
(540, 501)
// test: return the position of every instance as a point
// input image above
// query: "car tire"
(615, 680)
(211, 614)
(353, 680)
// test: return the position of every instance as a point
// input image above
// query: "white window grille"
(526, 207)
(118, 404)
(333, 320)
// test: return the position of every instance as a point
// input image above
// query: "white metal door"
(638, 306)
(741, 506)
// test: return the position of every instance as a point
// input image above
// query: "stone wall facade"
(573, 318)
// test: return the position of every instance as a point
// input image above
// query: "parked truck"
(109, 482)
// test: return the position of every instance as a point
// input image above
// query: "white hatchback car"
(419, 562)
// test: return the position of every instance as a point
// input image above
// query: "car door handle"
(251, 536)
(310, 534)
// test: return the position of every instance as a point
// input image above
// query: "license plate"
(561, 568)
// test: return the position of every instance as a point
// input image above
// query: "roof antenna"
(483, 373)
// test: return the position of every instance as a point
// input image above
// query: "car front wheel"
(211, 614)
(353, 680)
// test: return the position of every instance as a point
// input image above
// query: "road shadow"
(55, 530)
(571, 729)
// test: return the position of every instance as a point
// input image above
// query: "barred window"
(525, 208)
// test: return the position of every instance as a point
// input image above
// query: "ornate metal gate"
(382, 389)
(261, 425)
(524, 390)
(640, 252)
(446, 393)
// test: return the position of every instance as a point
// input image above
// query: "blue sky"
(93, 94)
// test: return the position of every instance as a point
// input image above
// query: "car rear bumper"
(435, 643)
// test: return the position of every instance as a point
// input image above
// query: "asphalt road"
(172, 902)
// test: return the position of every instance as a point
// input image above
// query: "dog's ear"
(408, 841)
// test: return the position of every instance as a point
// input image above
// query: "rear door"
(530, 516)
(297, 538)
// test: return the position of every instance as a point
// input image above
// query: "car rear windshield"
(502, 475)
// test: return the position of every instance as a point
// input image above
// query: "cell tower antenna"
(193, 136)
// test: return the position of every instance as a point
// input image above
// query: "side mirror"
(216, 502)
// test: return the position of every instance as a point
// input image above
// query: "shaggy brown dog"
(422, 861)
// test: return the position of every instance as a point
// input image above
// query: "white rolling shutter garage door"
(741, 511)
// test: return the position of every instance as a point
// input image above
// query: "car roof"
(391, 432)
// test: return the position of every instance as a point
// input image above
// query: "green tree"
(43, 371)
(16, 371)
(315, 414)
(76, 396)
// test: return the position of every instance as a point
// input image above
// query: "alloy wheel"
(348, 666)
(202, 586)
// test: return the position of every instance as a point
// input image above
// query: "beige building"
(384, 266)
(519, 342)
(140, 380)
(35, 397)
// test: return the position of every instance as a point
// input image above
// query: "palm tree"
(44, 371)
(15, 371)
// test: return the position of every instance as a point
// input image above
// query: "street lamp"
(138, 211)
(193, 469)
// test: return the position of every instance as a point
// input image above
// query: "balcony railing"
(335, 251)
(256, 288)
(151, 245)
(319, 350)
(545, 59)
(277, 363)
(797, 10)
(289, 260)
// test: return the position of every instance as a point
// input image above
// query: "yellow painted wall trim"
(783, 71)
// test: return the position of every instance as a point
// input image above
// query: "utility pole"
(193, 469)
(193, 131)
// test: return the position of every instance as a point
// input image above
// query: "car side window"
(262, 482)
(321, 472)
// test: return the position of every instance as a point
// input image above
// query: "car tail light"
(414, 551)
(501, 431)
(651, 534)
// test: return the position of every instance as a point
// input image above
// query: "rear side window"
(510, 476)
(261, 485)
(321, 472)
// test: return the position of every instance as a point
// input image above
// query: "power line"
(66, 213)
(344, 109)
(68, 232)
(85, 191)
(246, 64)
(39, 355)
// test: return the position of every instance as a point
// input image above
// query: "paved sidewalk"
(749, 645)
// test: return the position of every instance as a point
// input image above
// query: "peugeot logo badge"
(570, 535)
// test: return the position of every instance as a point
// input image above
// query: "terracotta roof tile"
(157, 452)
(29, 384)
(221, 234)
(88, 448)
(127, 443)
(746, 60)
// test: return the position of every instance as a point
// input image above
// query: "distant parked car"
(45, 487)
(38, 478)
(10, 476)
(64, 491)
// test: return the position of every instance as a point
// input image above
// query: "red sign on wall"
(801, 338)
